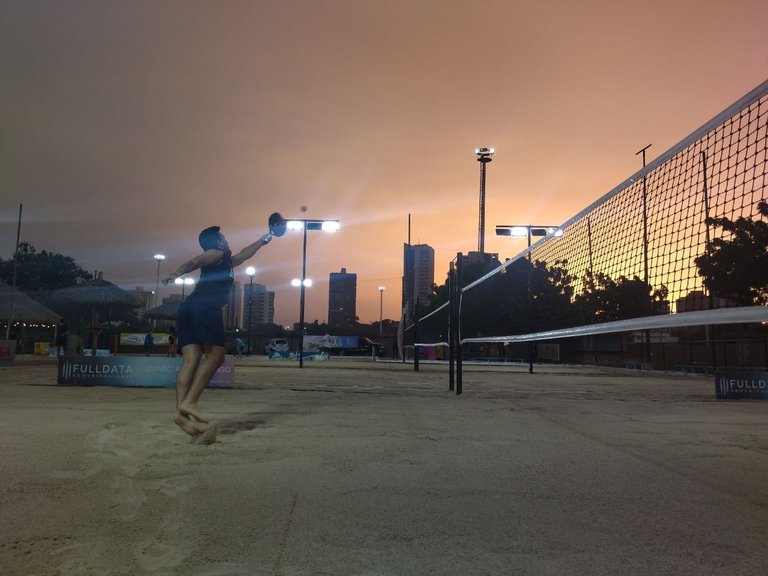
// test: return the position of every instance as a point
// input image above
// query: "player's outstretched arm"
(207, 258)
(250, 250)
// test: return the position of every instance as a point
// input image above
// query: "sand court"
(361, 468)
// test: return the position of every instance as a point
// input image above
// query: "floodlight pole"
(302, 297)
(316, 225)
(484, 156)
(381, 309)
(158, 258)
(13, 281)
(250, 310)
(530, 230)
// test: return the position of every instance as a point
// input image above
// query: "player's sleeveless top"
(215, 282)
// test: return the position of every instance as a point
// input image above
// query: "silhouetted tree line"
(532, 296)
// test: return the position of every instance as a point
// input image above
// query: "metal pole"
(415, 312)
(250, 308)
(458, 281)
(709, 329)
(157, 284)
(647, 338)
(301, 305)
(451, 327)
(13, 282)
(481, 225)
(530, 304)
(381, 310)
(589, 240)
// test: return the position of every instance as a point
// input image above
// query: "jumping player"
(200, 323)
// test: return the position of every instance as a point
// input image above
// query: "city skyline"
(130, 127)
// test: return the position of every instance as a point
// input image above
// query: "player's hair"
(209, 238)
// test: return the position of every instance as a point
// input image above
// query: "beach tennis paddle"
(276, 224)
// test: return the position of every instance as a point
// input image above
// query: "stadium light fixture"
(184, 282)
(381, 308)
(158, 258)
(484, 156)
(302, 224)
(523, 231)
(251, 271)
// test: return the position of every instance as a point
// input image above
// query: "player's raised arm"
(207, 258)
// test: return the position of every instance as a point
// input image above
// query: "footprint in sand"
(209, 436)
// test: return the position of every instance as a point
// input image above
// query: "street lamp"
(522, 231)
(158, 258)
(484, 155)
(381, 308)
(184, 282)
(304, 225)
(251, 271)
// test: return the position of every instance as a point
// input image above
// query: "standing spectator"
(172, 342)
(240, 347)
(149, 342)
(62, 333)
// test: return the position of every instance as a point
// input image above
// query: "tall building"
(491, 260)
(260, 302)
(146, 297)
(232, 308)
(418, 275)
(342, 298)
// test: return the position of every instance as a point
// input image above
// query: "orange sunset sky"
(129, 126)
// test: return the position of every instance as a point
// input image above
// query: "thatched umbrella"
(166, 310)
(98, 294)
(24, 308)
(15, 306)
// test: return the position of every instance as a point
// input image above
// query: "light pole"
(158, 258)
(184, 282)
(304, 225)
(381, 308)
(484, 156)
(522, 231)
(251, 271)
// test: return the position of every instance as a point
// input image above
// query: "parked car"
(277, 345)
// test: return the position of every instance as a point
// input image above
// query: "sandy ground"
(373, 469)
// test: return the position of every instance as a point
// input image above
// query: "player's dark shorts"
(199, 322)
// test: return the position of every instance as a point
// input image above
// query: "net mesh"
(632, 254)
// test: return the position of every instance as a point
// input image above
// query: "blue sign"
(741, 384)
(136, 371)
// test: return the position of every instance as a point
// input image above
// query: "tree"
(604, 299)
(41, 272)
(736, 268)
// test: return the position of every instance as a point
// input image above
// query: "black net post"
(416, 339)
(457, 314)
(451, 327)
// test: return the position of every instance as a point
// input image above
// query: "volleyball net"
(677, 249)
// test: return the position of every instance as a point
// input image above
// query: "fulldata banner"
(741, 384)
(138, 371)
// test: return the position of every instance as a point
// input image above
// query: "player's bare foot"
(188, 426)
(208, 437)
(190, 410)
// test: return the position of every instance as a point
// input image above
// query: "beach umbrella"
(25, 309)
(97, 295)
(166, 310)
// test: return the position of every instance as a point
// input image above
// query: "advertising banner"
(7, 350)
(133, 371)
(137, 339)
(741, 384)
